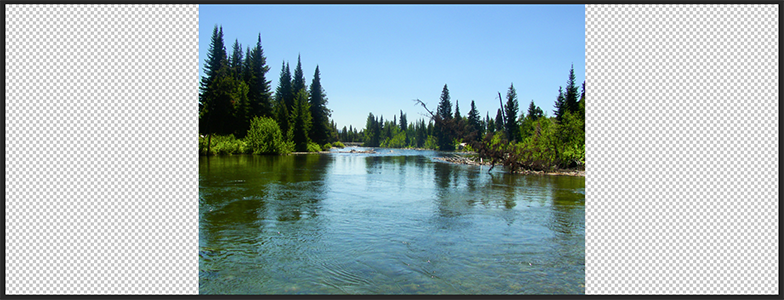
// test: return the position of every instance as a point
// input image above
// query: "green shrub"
(338, 144)
(397, 141)
(264, 137)
(430, 143)
(221, 145)
(313, 147)
(326, 146)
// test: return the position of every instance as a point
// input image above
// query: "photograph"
(391, 149)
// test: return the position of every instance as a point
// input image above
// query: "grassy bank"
(229, 145)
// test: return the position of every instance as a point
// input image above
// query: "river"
(395, 222)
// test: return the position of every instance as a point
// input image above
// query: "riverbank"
(462, 160)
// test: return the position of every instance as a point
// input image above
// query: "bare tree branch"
(432, 115)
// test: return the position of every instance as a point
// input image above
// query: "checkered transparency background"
(682, 123)
(101, 170)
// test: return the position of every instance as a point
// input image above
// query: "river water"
(395, 222)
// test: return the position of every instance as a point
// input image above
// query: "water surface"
(396, 222)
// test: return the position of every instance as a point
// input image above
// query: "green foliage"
(430, 143)
(397, 141)
(222, 145)
(534, 112)
(511, 107)
(313, 147)
(264, 137)
(338, 144)
(301, 121)
(443, 122)
(256, 70)
(234, 91)
(499, 121)
(318, 110)
(444, 105)
(298, 81)
(326, 146)
(474, 125)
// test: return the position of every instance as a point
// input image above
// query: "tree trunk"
(209, 142)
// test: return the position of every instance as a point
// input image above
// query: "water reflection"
(389, 223)
(248, 204)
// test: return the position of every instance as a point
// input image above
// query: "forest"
(238, 113)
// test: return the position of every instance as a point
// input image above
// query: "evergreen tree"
(560, 104)
(534, 112)
(235, 62)
(474, 120)
(444, 105)
(298, 82)
(219, 109)
(443, 122)
(260, 96)
(510, 124)
(490, 124)
(318, 109)
(214, 112)
(301, 121)
(284, 99)
(283, 93)
(403, 121)
(457, 110)
(571, 95)
(242, 110)
(370, 137)
(499, 121)
(247, 68)
(216, 56)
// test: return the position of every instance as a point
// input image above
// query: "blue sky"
(378, 58)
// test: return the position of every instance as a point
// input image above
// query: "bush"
(313, 147)
(264, 137)
(430, 143)
(338, 144)
(221, 145)
(326, 146)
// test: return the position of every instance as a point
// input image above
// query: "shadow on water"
(246, 203)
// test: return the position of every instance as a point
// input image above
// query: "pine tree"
(223, 98)
(444, 105)
(443, 122)
(534, 112)
(474, 120)
(235, 62)
(260, 96)
(457, 110)
(301, 121)
(284, 99)
(403, 121)
(247, 68)
(510, 124)
(490, 124)
(319, 111)
(571, 95)
(560, 104)
(214, 111)
(499, 121)
(298, 81)
(216, 56)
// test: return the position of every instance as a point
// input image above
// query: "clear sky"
(378, 58)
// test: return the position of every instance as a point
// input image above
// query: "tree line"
(235, 98)
(530, 140)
